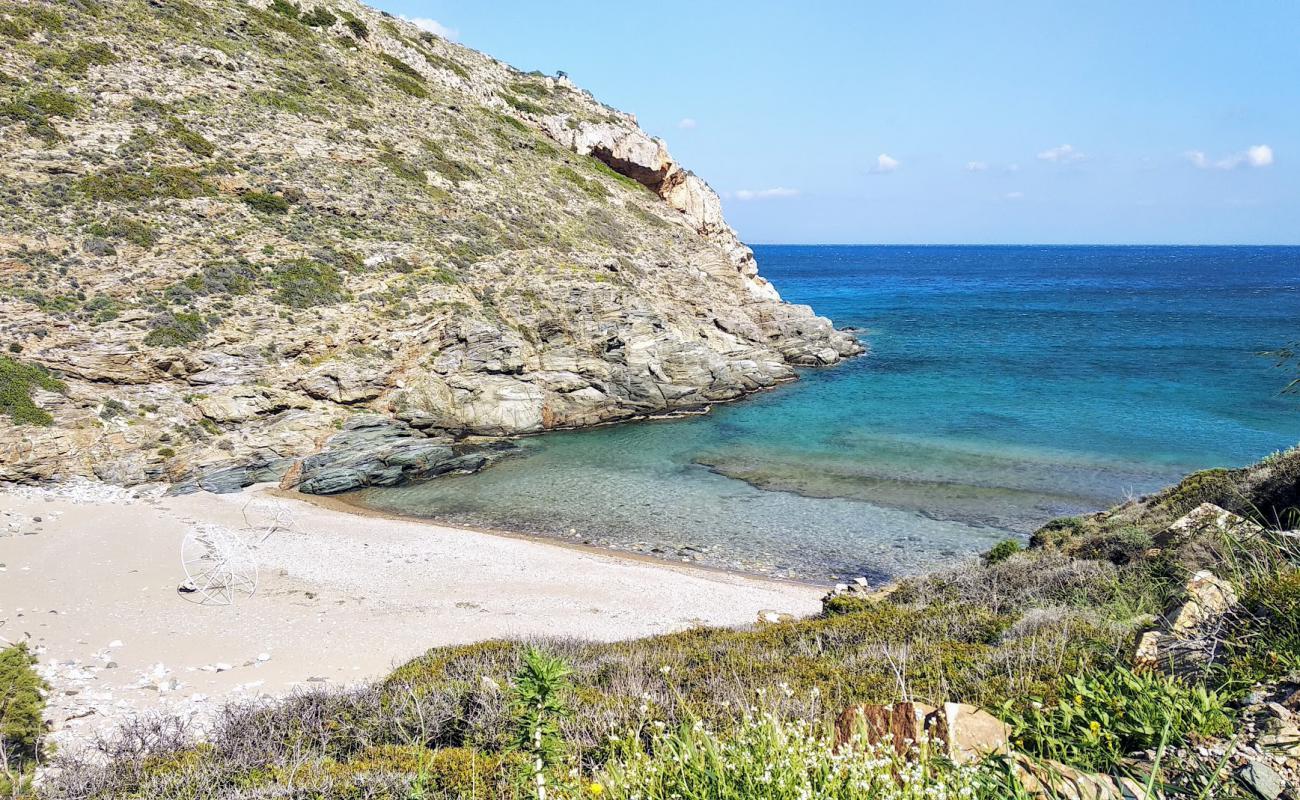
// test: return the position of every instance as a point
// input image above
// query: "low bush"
(354, 25)
(176, 329)
(77, 62)
(592, 188)
(190, 140)
(1099, 717)
(407, 84)
(126, 229)
(17, 382)
(1002, 551)
(36, 109)
(1262, 641)
(21, 724)
(305, 283)
(266, 202)
(318, 17)
(180, 183)
(21, 703)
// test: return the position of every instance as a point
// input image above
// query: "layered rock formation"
(232, 227)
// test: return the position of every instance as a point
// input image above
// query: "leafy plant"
(539, 703)
(1101, 716)
(174, 329)
(266, 202)
(768, 758)
(21, 725)
(354, 25)
(304, 283)
(1002, 551)
(17, 382)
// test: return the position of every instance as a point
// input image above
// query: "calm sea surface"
(1005, 386)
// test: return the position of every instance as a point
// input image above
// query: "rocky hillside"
(236, 234)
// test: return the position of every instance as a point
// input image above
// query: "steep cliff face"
(232, 230)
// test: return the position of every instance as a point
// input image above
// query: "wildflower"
(665, 669)
(1094, 726)
(595, 789)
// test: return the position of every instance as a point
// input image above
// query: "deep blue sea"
(1004, 386)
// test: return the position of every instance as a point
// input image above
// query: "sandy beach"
(89, 576)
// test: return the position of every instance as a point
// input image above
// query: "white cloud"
(763, 194)
(977, 166)
(688, 124)
(1061, 155)
(885, 164)
(1014, 195)
(433, 26)
(1013, 167)
(1260, 155)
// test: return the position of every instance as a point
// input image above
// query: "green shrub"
(593, 188)
(451, 169)
(21, 704)
(401, 66)
(1100, 717)
(445, 63)
(285, 9)
(534, 89)
(1002, 551)
(266, 202)
(180, 183)
(407, 84)
(462, 772)
(175, 329)
(221, 279)
(1263, 642)
(128, 229)
(318, 17)
(77, 62)
(402, 168)
(17, 382)
(305, 283)
(21, 21)
(356, 26)
(1119, 546)
(770, 758)
(36, 108)
(190, 140)
(540, 703)
(609, 172)
(103, 308)
(521, 104)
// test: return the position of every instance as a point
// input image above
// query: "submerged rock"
(377, 451)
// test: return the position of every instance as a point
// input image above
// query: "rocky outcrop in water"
(231, 227)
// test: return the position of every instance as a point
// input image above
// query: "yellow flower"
(1094, 726)
(596, 789)
(1078, 699)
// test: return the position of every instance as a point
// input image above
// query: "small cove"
(1005, 386)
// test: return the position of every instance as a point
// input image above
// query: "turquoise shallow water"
(1005, 386)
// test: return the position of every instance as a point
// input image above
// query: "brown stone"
(964, 732)
(292, 477)
(905, 722)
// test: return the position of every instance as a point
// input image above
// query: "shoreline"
(89, 576)
(339, 503)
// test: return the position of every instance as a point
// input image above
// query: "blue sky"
(944, 122)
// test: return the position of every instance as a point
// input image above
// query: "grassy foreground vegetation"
(1041, 637)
